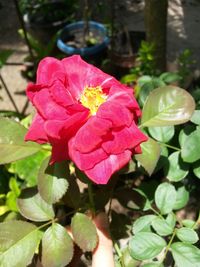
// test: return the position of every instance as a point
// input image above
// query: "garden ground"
(183, 32)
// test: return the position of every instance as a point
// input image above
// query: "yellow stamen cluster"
(92, 98)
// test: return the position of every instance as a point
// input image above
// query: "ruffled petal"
(81, 74)
(91, 133)
(33, 89)
(86, 161)
(47, 107)
(125, 138)
(36, 132)
(116, 113)
(125, 98)
(47, 69)
(102, 171)
(60, 94)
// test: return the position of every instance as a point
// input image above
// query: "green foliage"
(57, 247)
(12, 144)
(19, 241)
(4, 55)
(84, 232)
(155, 185)
(52, 182)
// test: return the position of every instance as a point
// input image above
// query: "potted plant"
(43, 18)
(86, 38)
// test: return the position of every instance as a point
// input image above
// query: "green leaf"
(182, 197)
(167, 105)
(57, 247)
(190, 148)
(4, 55)
(162, 134)
(176, 169)
(52, 181)
(127, 259)
(161, 226)
(150, 155)
(169, 77)
(185, 255)
(142, 224)
(33, 207)
(196, 168)
(72, 197)
(12, 144)
(153, 264)
(196, 117)
(185, 132)
(27, 169)
(187, 235)
(144, 245)
(188, 223)
(84, 232)
(19, 241)
(165, 197)
(171, 219)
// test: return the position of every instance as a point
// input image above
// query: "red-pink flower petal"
(116, 113)
(125, 98)
(102, 171)
(36, 132)
(124, 138)
(86, 161)
(47, 68)
(91, 134)
(47, 107)
(60, 95)
(80, 74)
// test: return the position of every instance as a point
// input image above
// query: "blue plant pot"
(70, 30)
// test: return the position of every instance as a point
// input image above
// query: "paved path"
(183, 32)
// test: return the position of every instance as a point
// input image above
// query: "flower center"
(92, 98)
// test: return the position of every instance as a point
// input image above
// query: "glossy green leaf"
(57, 247)
(165, 197)
(162, 134)
(171, 219)
(185, 255)
(12, 144)
(196, 117)
(161, 226)
(142, 224)
(187, 235)
(188, 223)
(18, 243)
(176, 169)
(185, 132)
(170, 77)
(167, 105)
(144, 245)
(163, 160)
(84, 232)
(127, 260)
(150, 155)
(191, 147)
(196, 168)
(52, 181)
(27, 169)
(182, 197)
(33, 207)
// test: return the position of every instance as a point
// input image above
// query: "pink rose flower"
(86, 115)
